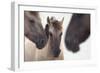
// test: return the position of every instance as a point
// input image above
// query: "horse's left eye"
(32, 21)
(60, 34)
(50, 34)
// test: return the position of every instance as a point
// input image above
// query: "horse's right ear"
(62, 20)
(48, 20)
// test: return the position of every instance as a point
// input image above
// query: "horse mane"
(57, 25)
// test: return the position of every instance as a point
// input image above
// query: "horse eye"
(31, 21)
(50, 34)
(60, 34)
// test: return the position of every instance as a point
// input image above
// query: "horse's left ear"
(47, 30)
(48, 20)
(62, 20)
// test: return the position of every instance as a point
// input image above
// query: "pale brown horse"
(54, 32)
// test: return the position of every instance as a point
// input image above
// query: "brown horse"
(78, 31)
(33, 29)
(35, 37)
(54, 32)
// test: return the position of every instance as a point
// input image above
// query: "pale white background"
(5, 34)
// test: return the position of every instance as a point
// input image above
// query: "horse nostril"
(56, 53)
(41, 41)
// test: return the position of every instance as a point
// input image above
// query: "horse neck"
(47, 50)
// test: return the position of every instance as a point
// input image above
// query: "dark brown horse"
(33, 29)
(78, 31)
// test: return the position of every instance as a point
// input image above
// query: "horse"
(77, 32)
(35, 36)
(33, 29)
(52, 50)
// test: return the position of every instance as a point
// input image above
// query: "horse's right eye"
(60, 34)
(50, 34)
(31, 21)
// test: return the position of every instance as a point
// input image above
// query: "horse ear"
(48, 20)
(47, 30)
(62, 20)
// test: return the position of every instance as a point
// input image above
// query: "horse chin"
(40, 46)
(56, 53)
(73, 47)
(56, 56)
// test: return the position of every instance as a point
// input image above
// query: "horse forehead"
(51, 29)
(54, 30)
(32, 17)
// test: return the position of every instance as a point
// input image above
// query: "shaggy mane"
(57, 25)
